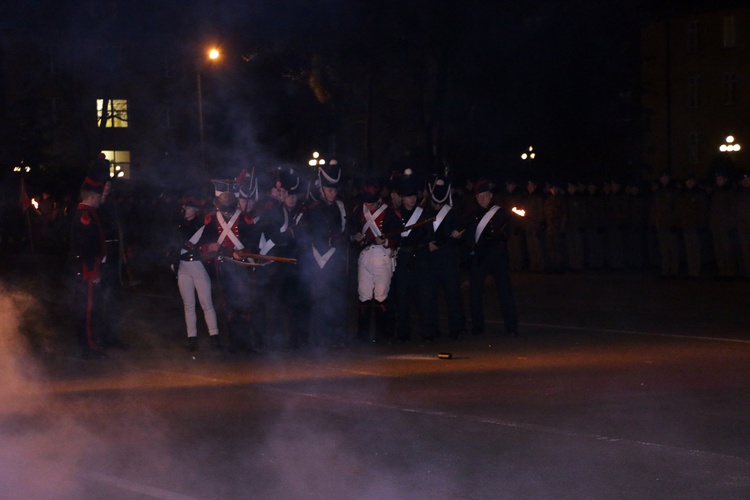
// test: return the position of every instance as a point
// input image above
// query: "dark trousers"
(87, 307)
(405, 289)
(327, 289)
(494, 262)
(439, 271)
(236, 284)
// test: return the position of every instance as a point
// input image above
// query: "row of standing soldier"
(673, 226)
(280, 266)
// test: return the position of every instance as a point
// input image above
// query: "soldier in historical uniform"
(692, 215)
(438, 264)
(228, 231)
(272, 224)
(88, 252)
(293, 302)
(593, 227)
(486, 234)
(533, 205)
(375, 227)
(511, 197)
(192, 276)
(575, 210)
(323, 247)
(637, 225)
(743, 223)
(616, 220)
(407, 280)
(555, 219)
(113, 269)
(664, 216)
(722, 221)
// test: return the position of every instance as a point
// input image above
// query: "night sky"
(561, 76)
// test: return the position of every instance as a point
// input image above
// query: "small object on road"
(445, 355)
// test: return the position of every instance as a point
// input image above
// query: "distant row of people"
(681, 228)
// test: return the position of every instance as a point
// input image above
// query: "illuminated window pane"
(119, 163)
(112, 112)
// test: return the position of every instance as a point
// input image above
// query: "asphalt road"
(621, 386)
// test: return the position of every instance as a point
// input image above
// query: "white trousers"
(375, 268)
(191, 278)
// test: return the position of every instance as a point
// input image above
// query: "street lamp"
(729, 145)
(213, 54)
(316, 160)
(530, 155)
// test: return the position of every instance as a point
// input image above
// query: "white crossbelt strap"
(485, 220)
(194, 238)
(226, 230)
(265, 245)
(285, 225)
(412, 220)
(322, 260)
(343, 214)
(370, 220)
(440, 216)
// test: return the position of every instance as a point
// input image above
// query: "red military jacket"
(87, 245)
(387, 221)
(242, 231)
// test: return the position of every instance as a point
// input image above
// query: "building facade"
(696, 90)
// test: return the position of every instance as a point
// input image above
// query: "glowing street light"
(729, 145)
(213, 55)
(530, 155)
(316, 160)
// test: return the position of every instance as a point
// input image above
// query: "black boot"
(363, 321)
(382, 334)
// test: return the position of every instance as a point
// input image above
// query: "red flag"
(24, 198)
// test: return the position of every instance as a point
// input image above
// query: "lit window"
(119, 166)
(112, 113)
(694, 87)
(729, 88)
(730, 37)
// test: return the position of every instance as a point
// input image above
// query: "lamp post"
(316, 160)
(729, 146)
(530, 155)
(213, 54)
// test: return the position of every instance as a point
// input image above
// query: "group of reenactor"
(682, 228)
(278, 250)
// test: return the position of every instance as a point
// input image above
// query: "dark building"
(696, 89)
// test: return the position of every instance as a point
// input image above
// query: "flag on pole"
(24, 197)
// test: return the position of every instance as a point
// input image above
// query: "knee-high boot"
(363, 321)
(381, 321)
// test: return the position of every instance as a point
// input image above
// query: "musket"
(244, 254)
(370, 239)
(234, 261)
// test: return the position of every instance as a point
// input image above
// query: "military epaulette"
(249, 219)
(209, 218)
(85, 218)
